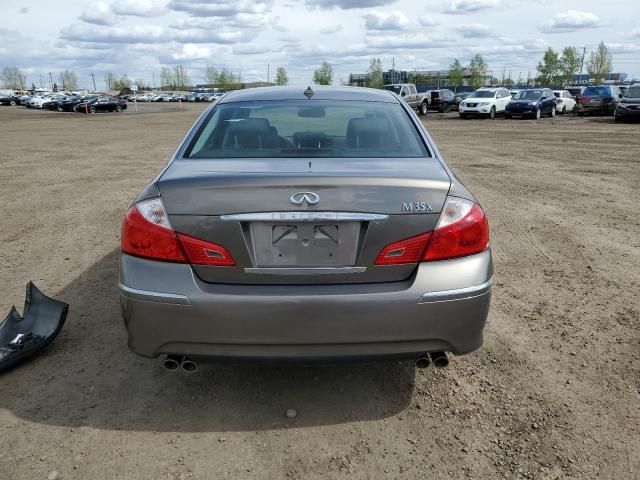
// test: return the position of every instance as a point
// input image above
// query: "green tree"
(324, 75)
(456, 74)
(210, 75)
(121, 83)
(600, 64)
(478, 71)
(374, 78)
(570, 62)
(167, 77)
(227, 80)
(282, 78)
(13, 78)
(548, 68)
(68, 79)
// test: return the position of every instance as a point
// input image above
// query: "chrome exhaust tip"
(171, 362)
(189, 365)
(423, 362)
(439, 359)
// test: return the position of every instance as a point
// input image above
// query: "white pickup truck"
(408, 92)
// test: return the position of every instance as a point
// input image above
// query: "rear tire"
(553, 111)
(12, 103)
(445, 108)
(92, 110)
(119, 109)
(422, 109)
(538, 114)
(60, 109)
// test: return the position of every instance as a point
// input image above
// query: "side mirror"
(620, 95)
(403, 93)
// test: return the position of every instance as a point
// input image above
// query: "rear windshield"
(393, 88)
(307, 128)
(633, 92)
(528, 95)
(597, 92)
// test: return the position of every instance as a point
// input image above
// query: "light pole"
(93, 77)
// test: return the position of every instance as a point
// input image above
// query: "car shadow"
(88, 377)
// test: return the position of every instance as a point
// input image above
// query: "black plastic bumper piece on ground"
(22, 337)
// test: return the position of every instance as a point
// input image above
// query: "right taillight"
(147, 233)
(462, 230)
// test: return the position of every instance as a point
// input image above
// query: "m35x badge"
(416, 207)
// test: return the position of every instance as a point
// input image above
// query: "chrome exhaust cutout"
(439, 359)
(171, 362)
(188, 365)
(423, 362)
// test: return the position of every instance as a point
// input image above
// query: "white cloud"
(474, 30)
(468, 6)
(376, 20)
(220, 8)
(348, 4)
(570, 21)
(428, 21)
(139, 8)
(98, 13)
(413, 41)
(331, 30)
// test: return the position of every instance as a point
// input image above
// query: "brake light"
(462, 230)
(147, 233)
(201, 252)
(408, 250)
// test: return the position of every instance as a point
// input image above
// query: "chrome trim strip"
(173, 298)
(304, 271)
(458, 293)
(304, 217)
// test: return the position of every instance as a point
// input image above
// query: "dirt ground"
(553, 394)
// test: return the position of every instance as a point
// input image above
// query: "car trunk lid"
(304, 220)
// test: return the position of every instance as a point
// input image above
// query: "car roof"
(489, 89)
(319, 93)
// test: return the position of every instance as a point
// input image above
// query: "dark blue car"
(532, 102)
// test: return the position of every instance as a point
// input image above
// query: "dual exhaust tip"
(172, 362)
(439, 360)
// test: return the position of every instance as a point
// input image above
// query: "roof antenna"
(309, 92)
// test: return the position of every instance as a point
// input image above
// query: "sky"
(254, 37)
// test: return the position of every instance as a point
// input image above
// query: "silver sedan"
(305, 224)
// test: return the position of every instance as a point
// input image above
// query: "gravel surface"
(553, 394)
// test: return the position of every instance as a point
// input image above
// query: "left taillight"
(462, 230)
(147, 233)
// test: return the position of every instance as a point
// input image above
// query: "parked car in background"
(409, 93)
(514, 92)
(442, 100)
(485, 102)
(368, 246)
(629, 106)
(8, 100)
(602, 99)
(575, 91)
(101, 104)
(459, 97)
(565, 103)
(67, 104)
(532, 102)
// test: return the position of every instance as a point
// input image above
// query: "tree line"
(559, 68)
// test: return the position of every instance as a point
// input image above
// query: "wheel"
(59, 109)
(422, 110)
(12, 103)
(492, 112)
(119, 109)
(508, 116)
(445, 108)
(564, 110)
(553, 111)
(538, 114)
(92, 109)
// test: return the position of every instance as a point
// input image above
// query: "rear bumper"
(168, 310)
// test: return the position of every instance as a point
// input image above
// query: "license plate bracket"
(305, 244)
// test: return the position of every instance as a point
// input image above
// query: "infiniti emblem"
(300, 197)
